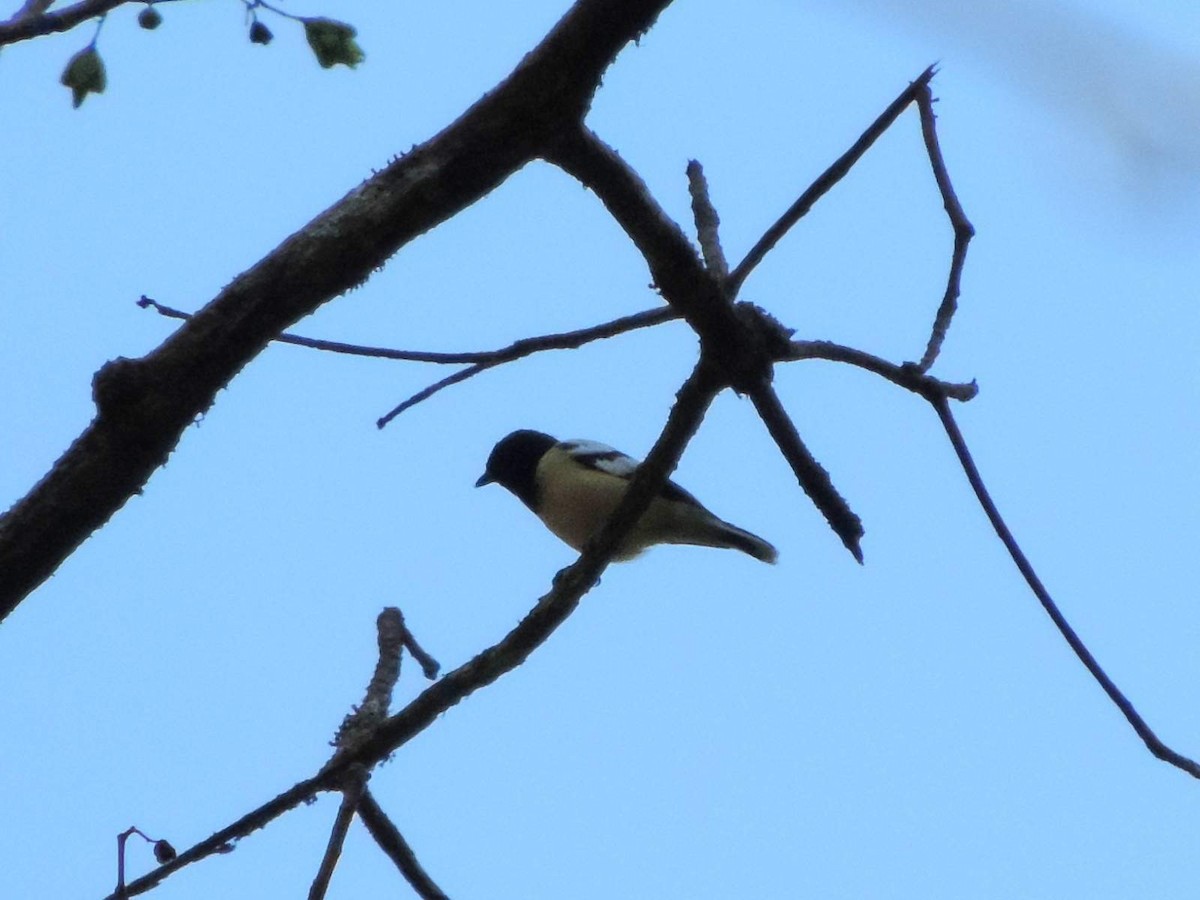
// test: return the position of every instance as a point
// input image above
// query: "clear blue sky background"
(704, 726)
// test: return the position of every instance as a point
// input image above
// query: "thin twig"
(707, 223)
(906, 375)
(425, 393)
(1152, 741)
(825, 182)
(481, 360)
(809, 473)
(352, 793)
(223, 840)
(429, 665)
(963, 229)
(163, 852)
(392, 842)
(567, 340)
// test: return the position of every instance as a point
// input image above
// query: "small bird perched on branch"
(574, 486)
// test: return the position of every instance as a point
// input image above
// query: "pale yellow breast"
(574, 501)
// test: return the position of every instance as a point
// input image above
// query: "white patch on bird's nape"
(601, 457)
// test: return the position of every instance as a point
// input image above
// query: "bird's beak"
(485, 478)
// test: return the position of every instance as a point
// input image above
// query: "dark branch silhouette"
(33, 20)
(144, 405)
(565, 340)
(354, 784)
(707, 223)
(963, 230)
(1152, 741)
(740, 344)
(811, 476)
(825, 182)
(392, 843)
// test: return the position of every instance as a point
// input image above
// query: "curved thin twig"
(566, 340)
(1151, 740)
(825, 182)
(908, 375)
(963, 229)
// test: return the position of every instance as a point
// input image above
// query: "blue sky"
(703, 726)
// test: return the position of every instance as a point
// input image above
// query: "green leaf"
(84, 75)
(333, 42)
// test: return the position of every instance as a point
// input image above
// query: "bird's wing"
(603, 458)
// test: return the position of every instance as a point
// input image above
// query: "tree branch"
(143, 406)
(825, 182)
(392, 842)
(809, 473)
(731, 345)
(32, 20)
(907, 375)
(569, 340)
(963, 229)
(708, 223)
(1151, 740)
(354, 785)
(566, 340)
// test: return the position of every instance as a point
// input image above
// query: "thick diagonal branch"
(143, 406)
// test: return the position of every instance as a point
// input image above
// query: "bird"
(574, 486)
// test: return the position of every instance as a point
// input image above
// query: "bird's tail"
(740, 539)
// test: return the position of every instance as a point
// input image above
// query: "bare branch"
(362, 721)
(1151, 740)
(28, 9)
(809, 473)
(223, 840)
(731, 345)
(707, 223)
(32, 20)
(526, 346)
(738, 341)
(392, 842)
(429, 665)
(963, 230)
(825, 182)
(425, 393)
(907, 375)
(567, 340)
(355, 781)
